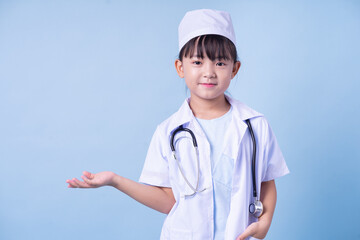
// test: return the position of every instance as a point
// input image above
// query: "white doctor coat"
(193, 217)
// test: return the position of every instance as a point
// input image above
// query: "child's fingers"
(89, 175)
(87, 183)
(87, 180)
(249, 231)
(242, 236)
(71, 183)
(80, 184)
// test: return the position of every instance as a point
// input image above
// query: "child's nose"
(209, 71)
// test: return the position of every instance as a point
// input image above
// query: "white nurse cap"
(205, 21)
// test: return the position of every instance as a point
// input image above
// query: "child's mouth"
(208, 85)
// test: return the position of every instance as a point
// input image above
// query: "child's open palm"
(91, 180)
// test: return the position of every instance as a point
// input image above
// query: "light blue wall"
(83, 85)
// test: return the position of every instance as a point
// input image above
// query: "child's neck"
(209, 109)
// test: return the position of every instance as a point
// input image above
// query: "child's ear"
(179, 68)
(236, 68)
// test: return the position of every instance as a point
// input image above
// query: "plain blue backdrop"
(83, 85)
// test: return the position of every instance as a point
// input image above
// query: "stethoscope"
(255, 208)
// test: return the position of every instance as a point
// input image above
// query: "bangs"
(213, 46)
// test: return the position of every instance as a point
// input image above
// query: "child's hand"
(257, 229)
(91, 180)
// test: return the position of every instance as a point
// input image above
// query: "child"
(198, 169)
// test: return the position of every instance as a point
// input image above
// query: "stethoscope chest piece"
(256, 208)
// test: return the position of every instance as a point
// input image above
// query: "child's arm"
(268, 198)
(158, 198)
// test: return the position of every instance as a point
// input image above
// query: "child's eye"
(196, 62)
(220, 64)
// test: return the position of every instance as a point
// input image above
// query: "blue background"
(83, 85)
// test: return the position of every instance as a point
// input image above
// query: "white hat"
(205, 21)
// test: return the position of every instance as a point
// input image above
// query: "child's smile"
(208, 85)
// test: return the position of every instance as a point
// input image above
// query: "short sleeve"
(275, 163)
(156, 169)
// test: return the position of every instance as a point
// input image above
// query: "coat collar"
(184, 115)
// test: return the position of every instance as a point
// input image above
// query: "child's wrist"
(115, 180)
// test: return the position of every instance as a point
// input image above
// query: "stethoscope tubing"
(253, 166)
(194, 189)
(179, 129)
(255, 208)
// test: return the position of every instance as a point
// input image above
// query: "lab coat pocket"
(223, 171)
(180, 234)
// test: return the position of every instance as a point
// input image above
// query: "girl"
(199, 166)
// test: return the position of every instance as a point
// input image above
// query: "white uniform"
(192, 217)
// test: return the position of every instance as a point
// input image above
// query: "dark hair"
(214, 46)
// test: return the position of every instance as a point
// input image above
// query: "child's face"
(206, 79)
